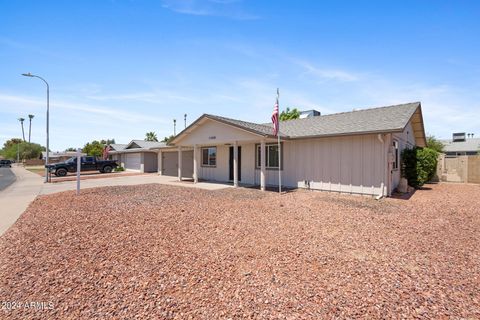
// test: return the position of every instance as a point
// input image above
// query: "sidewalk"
(16, 197)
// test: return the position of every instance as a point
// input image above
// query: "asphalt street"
(6, 177)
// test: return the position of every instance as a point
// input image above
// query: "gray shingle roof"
(374, 120)
(472, 144)
(383, 119)
(250, 126)
(118, 146)
(148, 144)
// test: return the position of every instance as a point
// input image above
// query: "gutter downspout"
(381, 195)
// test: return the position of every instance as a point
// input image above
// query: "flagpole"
(279, 149)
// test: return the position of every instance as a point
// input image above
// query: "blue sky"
(118, 69)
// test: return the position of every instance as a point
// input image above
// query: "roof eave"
(343, 134)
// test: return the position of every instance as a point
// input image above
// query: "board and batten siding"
(351, 164)
(406, 139)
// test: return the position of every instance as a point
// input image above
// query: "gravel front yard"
(153, 252)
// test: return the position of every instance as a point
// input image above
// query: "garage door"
(133, 161)
(170, 164)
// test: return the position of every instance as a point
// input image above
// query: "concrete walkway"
(16, 198)
(50, 188)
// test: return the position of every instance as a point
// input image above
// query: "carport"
(168, 162)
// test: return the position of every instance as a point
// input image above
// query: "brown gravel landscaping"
(163, 252)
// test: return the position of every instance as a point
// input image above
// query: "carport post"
(195, 163)
(262, 165)
(160, 162)
(235, 164)
(179, 163)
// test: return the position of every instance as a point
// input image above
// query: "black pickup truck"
(88, 164)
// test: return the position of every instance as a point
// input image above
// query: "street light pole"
(48, 117)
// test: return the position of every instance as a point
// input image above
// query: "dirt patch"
(159, 252)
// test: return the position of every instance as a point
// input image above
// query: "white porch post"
(262, 165)
(195, 164)
(179, 163)
(235, 164)
(159, 162)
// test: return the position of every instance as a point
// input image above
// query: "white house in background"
(350, 152)
(138, 155)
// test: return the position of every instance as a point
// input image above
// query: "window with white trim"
(395, 155)
(209, 157)
(271, 156)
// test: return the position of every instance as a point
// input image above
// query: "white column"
(195, 164)
(179, 163)
(262, 165)
(235, 164)
(159, 162)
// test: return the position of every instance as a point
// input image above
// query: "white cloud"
(326, 73)
(220, 8)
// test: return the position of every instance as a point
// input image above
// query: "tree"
(26, 150)
(23, 131)
(11, 142)
(167, 140)
(434, 143)
(151, 136)
(108, 141)
(70, 149)
(30, 116)
(94, 148)
(289, 114)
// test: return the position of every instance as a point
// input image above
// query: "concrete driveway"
(16, 198)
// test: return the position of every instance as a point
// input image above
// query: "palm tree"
(30, 116)
(151, 136)
(23, 131)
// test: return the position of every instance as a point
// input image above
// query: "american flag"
(106, 150)
(275, 118)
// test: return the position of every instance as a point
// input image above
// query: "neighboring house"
(54, 157)
(461, 144)
(138, 155)
(351, 152)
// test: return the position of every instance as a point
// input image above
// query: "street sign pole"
(79, 163)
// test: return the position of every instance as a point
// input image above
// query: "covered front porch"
(225, 153)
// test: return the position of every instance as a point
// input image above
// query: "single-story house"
(461, 144)
(351, 152)
(138, 155)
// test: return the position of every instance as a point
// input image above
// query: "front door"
(239, 164)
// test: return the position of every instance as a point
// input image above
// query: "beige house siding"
(353, 164)
(405, 139)
(215, 133)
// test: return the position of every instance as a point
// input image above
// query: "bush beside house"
(419, 165)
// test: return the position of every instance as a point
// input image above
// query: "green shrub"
(419, 165)
(119, 169)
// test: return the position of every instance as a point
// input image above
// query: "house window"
(209, 157)
(395, 155)
(271, 156)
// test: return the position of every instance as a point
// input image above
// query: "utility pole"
(174, 127)
(185, 120)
